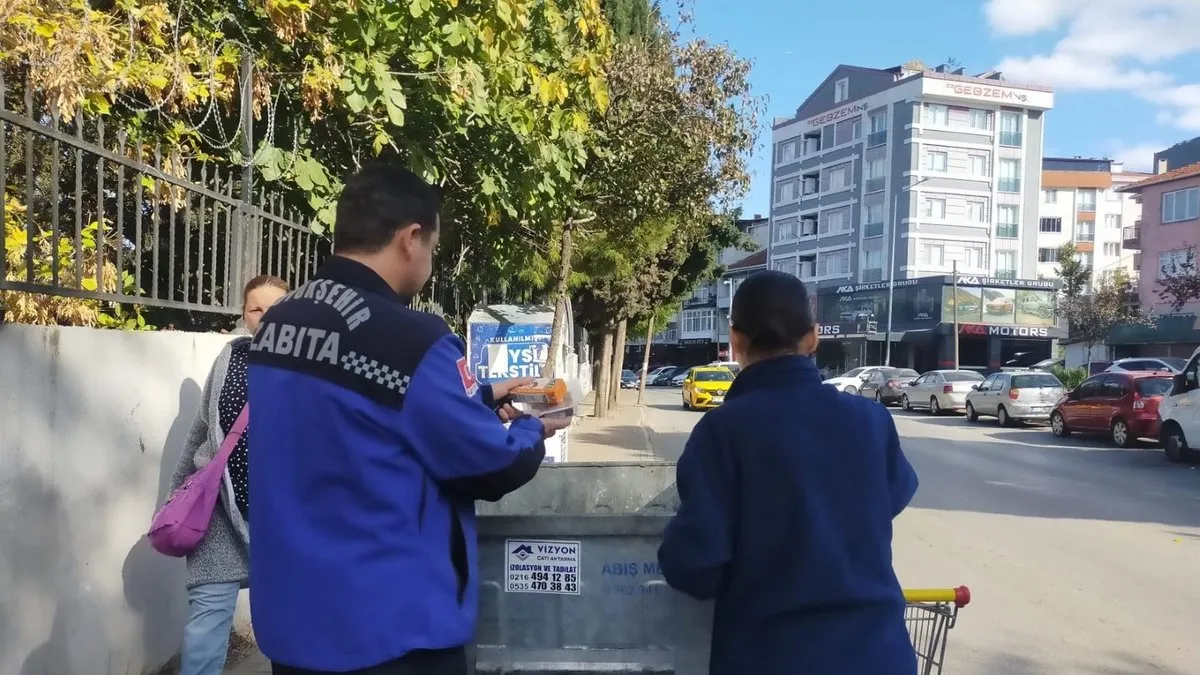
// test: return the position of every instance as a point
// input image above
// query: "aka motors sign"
(1004, 331)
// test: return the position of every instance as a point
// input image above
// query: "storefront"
(1002, 322)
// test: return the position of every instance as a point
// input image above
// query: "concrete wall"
(91, 426)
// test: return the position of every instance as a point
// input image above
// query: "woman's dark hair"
(771, 309)
(263, 280)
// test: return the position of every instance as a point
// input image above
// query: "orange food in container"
(541, 393)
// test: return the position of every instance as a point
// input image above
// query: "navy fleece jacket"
(787, 495)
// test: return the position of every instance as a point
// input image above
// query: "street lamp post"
(895, 225)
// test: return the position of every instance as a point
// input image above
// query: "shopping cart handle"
(960, 596)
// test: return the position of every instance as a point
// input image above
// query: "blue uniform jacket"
(371, 440)
(787, 494)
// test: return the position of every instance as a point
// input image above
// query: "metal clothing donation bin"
(570, 581)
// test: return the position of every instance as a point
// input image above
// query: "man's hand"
(503, 388)
(553, 424)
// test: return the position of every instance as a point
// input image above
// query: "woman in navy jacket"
(787, 494)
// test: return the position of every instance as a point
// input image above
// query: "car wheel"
(934, 407)
(1002, 417)
(1059, 425)
(879, 398)
(905, 404)
(1174, 443)
(1120, 434)
(851, 389)
(686, 406)
(972, 416)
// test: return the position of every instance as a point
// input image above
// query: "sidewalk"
(621, 437)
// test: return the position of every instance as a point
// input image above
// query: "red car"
(1122, 405)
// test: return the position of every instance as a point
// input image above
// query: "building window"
(878, 122)
(872, 254)
(1112, 221)
(1085, 231)
(1050, 196)
(841, 90)
(1008, 222)
(1087, 200)
(937, 161)
(874, 169)
(980, 119)
(808, 226)
(1010, 129)
(974, 257)
(786, 151)
(1171, 263)
(785, 190)
(834, 263)
(1085, 259)
(933, 255)
(936, 114)
(1010, 175)
(934, 208)
(834, 222)
(787, 229)
(699, 321)
(839, 178)
(1006, 264)
(1050, 225)
(1112, 248)
(1047, 255)
(812, 185)
(787, 266)
(979, 165)
(847, 130)
(874, 213)
(977, 211)
(1181, 205)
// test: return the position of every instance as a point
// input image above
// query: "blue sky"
(1126, 72)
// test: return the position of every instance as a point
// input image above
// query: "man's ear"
(808, 343)
(406, 237)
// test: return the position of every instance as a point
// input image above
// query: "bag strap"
(232, 438)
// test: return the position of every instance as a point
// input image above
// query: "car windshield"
(627, 373)
(961, 376)
(713, 376)
(1175, 363)
(853, 373)
(1154, 386)
(1032, 381)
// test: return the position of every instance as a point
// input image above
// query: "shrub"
(1070, 377)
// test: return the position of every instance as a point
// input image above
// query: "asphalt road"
(1081, 557)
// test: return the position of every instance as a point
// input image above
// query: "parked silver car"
(1015, 397)
(940, 390)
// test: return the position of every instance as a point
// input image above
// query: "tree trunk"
(618, 363)
(560, 302)
(605, 369)
(645, 360)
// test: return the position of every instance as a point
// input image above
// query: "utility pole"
(954, 272)
(895, 227)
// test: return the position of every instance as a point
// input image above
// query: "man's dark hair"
(772, 310)
(377, 201)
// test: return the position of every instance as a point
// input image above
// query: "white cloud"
(1137, 157)
(1108, 45)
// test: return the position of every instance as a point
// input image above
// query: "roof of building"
(1189, 171)
(1100, 165)
(756, 259)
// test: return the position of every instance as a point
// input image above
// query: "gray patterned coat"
(224, 554)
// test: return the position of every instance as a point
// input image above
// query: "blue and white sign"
(503, 351)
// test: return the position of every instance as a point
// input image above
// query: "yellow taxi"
(706, 386)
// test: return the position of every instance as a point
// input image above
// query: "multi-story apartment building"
(1169, 232)
(950, 163)
(1081, 202)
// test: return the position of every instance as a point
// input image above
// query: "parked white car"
(1014, 397)
(1179, 412)
(678, 378)
(1169, 364)
(940, 390)
(851, 380)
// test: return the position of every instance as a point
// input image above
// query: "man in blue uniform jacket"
(787, 494)
(371, 440)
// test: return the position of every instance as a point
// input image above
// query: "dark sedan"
(884, 384)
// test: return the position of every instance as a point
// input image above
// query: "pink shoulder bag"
(181, 523)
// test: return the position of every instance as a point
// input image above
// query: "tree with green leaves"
(1180, 282)
(1093, 316)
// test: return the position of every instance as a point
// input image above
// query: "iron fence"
(100, 215)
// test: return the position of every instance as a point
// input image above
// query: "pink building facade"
(1169, 231)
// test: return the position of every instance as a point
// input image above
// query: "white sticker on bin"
(541, 566)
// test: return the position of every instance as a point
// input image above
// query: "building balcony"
(1086, 209)
(873, 229)
(872, 275)
(1085, 236)
(875, 185)
(1131, 237)
(1007, 230)
(876, 138)
(1012, 139)
(1006, 274)
(1009, 185)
